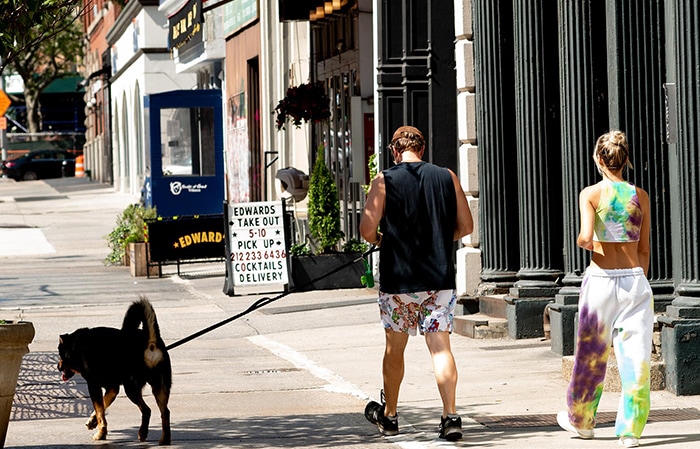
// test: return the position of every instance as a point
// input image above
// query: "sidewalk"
(296, 373)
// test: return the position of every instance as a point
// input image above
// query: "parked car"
(40, 164)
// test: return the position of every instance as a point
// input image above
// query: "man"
(414, 213)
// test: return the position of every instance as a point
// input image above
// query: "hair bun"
(618, 138)
(613, 150)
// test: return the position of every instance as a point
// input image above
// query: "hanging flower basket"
(303, 103)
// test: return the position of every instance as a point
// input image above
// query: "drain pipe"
(546, 322)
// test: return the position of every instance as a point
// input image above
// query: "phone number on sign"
(250, 256)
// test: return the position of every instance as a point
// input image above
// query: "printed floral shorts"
(431, 311)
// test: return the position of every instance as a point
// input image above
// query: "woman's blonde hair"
(613, 151)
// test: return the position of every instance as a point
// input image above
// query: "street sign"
(4, 102)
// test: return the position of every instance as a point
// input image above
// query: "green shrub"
(355, 246)
(373, 166)
(300, 249)
(129, 228)
(324, 207)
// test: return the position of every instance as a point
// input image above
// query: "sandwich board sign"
(257, 250)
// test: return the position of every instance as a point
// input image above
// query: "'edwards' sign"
(258, 253)
(186, 26)
(187, 239)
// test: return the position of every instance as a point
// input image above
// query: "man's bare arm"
(465, 222)
(373, 211)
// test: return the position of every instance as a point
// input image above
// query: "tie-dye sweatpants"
(615, 309)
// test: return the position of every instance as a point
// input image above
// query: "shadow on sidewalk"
(71, 184)
(41, 394)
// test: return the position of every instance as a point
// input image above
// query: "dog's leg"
(134, 393)
(162, 395)
(91, 423)
(109, 397)
(98, 404)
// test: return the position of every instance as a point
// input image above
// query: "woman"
(615, 303)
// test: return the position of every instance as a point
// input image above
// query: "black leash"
(266, 300)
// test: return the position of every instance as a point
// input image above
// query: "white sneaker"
(564, 423)
(628, 442)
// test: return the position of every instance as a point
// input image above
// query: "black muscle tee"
(419, 220)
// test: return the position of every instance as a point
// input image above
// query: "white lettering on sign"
(176, 187)
(258, 254)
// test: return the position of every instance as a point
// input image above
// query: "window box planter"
(307, 268)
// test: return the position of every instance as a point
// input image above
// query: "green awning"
(64, 85)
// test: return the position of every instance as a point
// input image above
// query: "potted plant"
(15, 337)
(303, 103)
(324, 227)
(129, 238)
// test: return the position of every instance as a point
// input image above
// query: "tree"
(18, 17)
(46, 50)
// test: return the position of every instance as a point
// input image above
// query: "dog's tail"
(141, 313)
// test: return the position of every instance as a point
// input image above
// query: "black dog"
(131, 356)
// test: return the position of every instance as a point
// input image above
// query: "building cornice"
(135, 57)
(130, 11)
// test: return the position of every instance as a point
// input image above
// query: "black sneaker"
(451, 428)
(374, 412)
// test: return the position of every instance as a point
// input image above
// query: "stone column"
(539, 166)
(635, 34)
(585, 116)
(497, 148)
(680, 334)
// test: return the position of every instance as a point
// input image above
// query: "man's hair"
(407, 138)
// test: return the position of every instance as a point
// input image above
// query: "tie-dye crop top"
(618, 215)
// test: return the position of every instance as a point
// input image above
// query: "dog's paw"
(91, 423)
(101, 434)
(164, 440)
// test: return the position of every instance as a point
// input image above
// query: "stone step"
(493, 305)
(612, 375)
(480, 326)
(467, 305)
